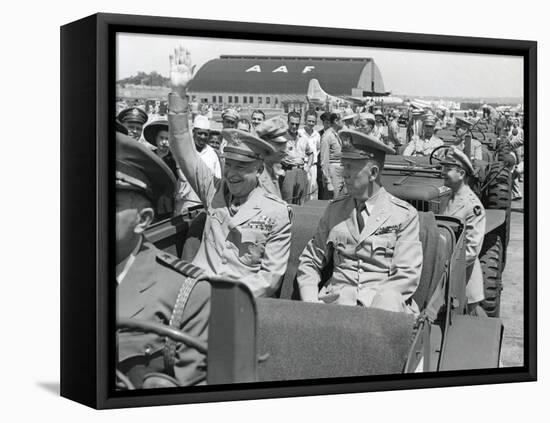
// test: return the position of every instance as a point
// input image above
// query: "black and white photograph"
(296, 212)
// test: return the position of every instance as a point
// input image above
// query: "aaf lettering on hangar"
(283, 68)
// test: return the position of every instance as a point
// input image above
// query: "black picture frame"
(87, 108)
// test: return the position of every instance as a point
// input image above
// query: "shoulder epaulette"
(274, 197)
(400, 202)
(180, 266)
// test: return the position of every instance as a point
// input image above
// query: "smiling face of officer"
(134, 129)
(200, 136)
(359, 176)
(241, 177)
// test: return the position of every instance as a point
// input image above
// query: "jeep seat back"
(306, 341)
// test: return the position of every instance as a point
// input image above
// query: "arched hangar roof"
(287, 75)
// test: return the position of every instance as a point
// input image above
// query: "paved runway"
(511, 310)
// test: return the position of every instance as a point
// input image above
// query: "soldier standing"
(151, 282)
(371, 237)
(465, 205)
(331, 151)
(274, 132)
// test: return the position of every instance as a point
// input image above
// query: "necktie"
(360, 217)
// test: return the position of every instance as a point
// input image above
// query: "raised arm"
(181, 138)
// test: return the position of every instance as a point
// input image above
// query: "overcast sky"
(412, 72)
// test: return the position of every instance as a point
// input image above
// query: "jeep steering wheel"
(435, 159)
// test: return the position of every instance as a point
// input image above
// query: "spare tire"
(491, 265)
(499, 194)
(499, 191)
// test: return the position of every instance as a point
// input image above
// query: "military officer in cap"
(371, 237)
(465, 205)
(247, 231)
(273, 131)
(150, 283)
(462, 126)
(133, 119)
(423, 146)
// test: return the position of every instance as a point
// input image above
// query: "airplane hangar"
(280, 81)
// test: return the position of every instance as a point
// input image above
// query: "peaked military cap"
(140, 169)
(230, 114)
(151, 131)
(456, 157)
(463, 123)
(273, 130)
(133, 114)
(358, 145)
(120, 127)
(244, 146)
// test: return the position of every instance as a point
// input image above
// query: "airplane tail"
(315, 94)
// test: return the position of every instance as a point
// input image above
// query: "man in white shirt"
(185, 196)
(310, 136)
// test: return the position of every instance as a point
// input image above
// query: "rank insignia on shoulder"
(387, 230)
(181, 266)
(477, 210)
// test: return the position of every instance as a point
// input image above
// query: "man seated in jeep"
(371, 237)
(247, 230)
(150, 282)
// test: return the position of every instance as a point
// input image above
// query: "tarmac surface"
(511, 309)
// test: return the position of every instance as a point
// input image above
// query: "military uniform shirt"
(419, 146)
(387, 254)
(253, 245)
(148, 291)
(466, 206)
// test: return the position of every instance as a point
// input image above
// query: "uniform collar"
(371, 201)
(123, 267)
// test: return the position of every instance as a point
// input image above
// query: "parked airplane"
(316, 95)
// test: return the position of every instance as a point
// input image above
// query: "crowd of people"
(245, 174)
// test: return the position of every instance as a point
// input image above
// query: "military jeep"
(418, 180)
(275, 339)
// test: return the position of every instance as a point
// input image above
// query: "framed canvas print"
(258, 211)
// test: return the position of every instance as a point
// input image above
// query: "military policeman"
(150, 283)
(247, 231)
(465, 205)
(371, 237)
(273, 131)
(423, 146)
(462, 126)
(133, 120)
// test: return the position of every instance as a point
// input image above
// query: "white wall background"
(30, 205)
